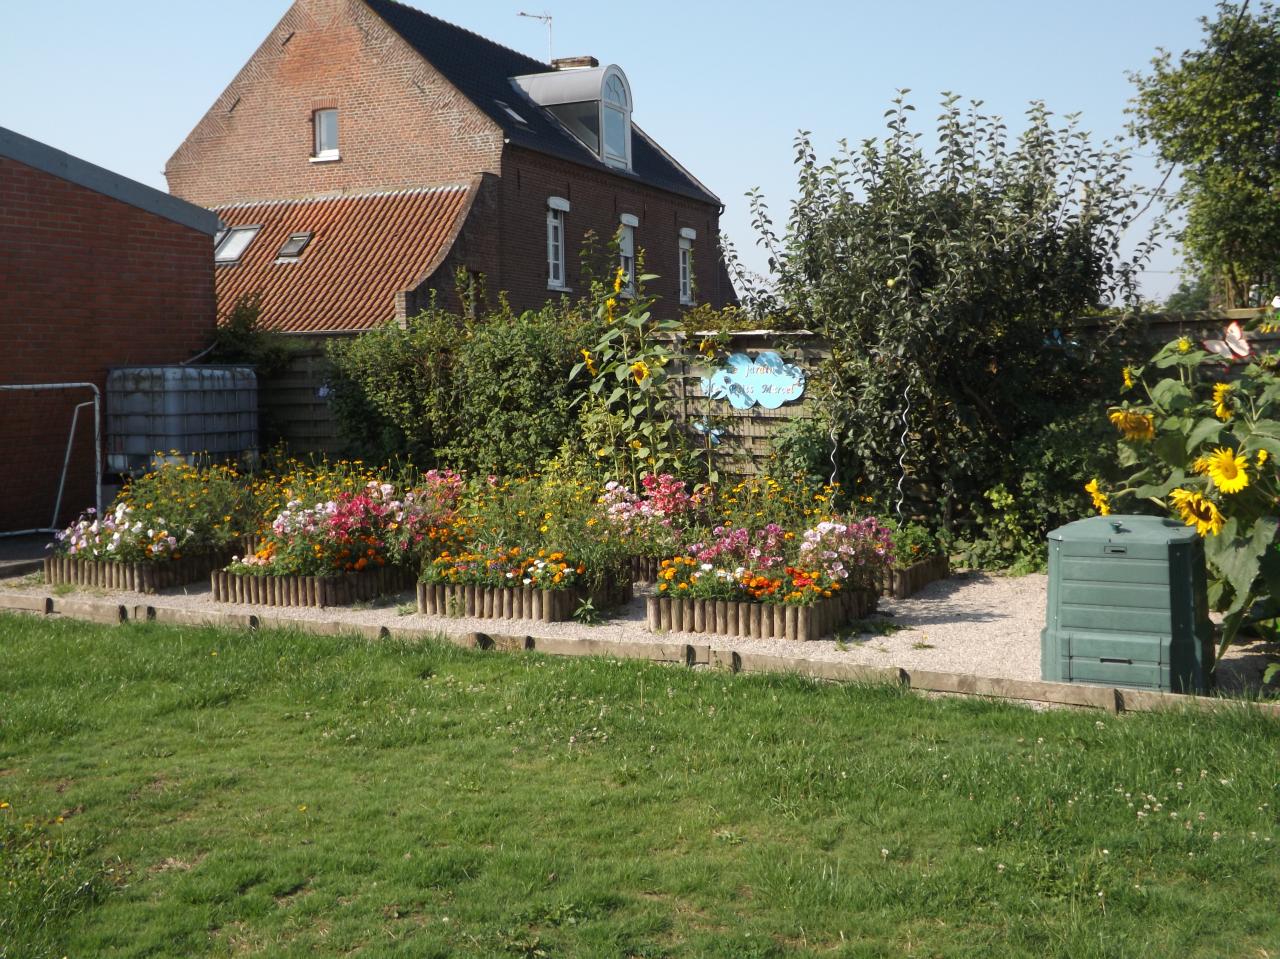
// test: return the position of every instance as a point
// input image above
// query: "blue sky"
(724, 86)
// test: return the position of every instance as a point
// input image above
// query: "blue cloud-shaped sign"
(767, 379)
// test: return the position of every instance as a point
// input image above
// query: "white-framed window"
(324, 125)
(615, 121)
(557, 207)
(687, 236)
(627, 252)
(233, 243)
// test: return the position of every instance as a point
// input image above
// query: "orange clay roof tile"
(364, 249)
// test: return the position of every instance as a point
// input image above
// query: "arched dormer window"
(593, 104)
(615, 104)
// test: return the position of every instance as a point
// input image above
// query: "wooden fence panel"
(294, 405)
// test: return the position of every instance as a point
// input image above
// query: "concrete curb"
(1106, 698)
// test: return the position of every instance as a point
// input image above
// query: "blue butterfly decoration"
(706, 429)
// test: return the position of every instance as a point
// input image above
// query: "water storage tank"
(197, 410)
(1127, 605)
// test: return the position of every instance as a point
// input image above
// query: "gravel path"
(976, 623)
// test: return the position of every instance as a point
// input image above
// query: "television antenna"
(546, 19)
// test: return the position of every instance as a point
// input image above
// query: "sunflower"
(1262, 458)
(1195, 510)
(1127, 373)
(1100, 502)
(640, 371)
(1226, 468)
(590, 363)
(1134, 426)
(1184, 345)
(1220, 393)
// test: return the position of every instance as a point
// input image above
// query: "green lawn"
(278, 794)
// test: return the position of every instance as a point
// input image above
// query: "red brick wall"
(597, 199)
(86, 283)
(400, 124)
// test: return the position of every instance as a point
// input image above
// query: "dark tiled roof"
(364, 250)
(482, 69)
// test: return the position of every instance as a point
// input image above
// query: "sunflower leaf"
(1208, 429)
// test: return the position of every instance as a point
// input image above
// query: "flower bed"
(132, 576)
(748, 620)
(770, 582)
(339, 589)
(354, 547)
(652, 521)
(514, 583)
(168, 528)
(903, 581)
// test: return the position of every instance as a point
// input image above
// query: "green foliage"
(1190, 297)
(913, 542)
(239, 339)
(489, 395)
(1214, 114)
(1041, 491)
(1006, 540)
(802, 447)
(629, 387)
(940, 280)
(303, 795)
(705, 318)
(1203, 444)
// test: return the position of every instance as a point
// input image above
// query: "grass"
(195, 792)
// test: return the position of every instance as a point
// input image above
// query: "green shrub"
(1040, 491)
(490, 395)
(802, 447)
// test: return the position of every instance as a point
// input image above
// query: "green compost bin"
(1127, 605)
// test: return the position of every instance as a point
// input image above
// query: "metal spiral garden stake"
(902, 460)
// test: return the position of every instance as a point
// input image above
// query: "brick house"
(96, 271)
(368, 151)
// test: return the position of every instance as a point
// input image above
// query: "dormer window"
(593, 104)
(616, 107)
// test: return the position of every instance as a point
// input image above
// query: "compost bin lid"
(1125, 528)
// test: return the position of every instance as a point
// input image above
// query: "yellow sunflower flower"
(639, 371)
(1134, 426)
(1184, 345)
(1100, 500)
(1127, 373)
(591, 364)
(1262, 458)
(1221, 393)
(1227, 470)
(1194, 510)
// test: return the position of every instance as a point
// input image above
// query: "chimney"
(574, 63)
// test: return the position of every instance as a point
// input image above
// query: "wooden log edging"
(901, 582)
(719, 617)
(517, 602)
(644, 569)
(135, 577)
(314, 591)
